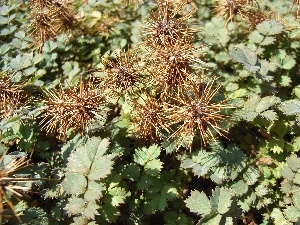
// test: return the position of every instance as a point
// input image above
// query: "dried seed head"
(174, 63)
(149, 119)
(122, 74)
(51, 17)
(75, 107)
(164, 27)
(195, 114)
(255, 17)
(229, 9)
(11, 96)
(9, 183)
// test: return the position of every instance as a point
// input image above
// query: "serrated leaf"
(291, 213)
(144, 155)
(251, 175)
(241, 92)
(145, 182)
(288, 62)
(118, 196)
(270, 115)
(285, 81)
(267, 41)
(294, 162)
(266, 102)
(256, 37)
(131, 172)
(198, 203)
(101, 167)
(261, 190)
(75, 205)
(290, 108)
(158, 202)
(169, 191)
(287, 173)
(296, 200)
(74, 183)
(94, 191)
(239, 187)
(153, 167)
(270, 27)
(296, 179)
(278, 217)
(249, 116)
(224, 200)
(245, 56)
(91, 210)
(251, 103)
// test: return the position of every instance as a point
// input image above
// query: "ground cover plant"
(149, 112)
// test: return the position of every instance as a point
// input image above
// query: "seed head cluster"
(122, 74)
(229, 9)
(11, 96)
(50, 17)
(73, 108)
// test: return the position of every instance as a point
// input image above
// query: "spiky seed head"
(149, 119)
(194, 113)
(174, 63)
(51, 17)
(255, 17)
(229, 9)
(122, 74)
(8, 183)
(75, 107)
(11, 96)
(164, 27)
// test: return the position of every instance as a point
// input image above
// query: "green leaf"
(256, 37)
(266, 102)
(34, 216)
(293, 162)
(287, 173)
(75, 205)
(74, 183)
(118, 196)
(90, 210)
(251, 175)
(288, 62)
(131, 172)
(159, 203)
(251, 103)
(290, 108)
(245, 56)
(296, 91)
(101, 167)
(278, 217)
(144, 155)
(4, 48)
(296, 200)
(270, 115)
(270, 27)
(249, 116)
(94, 191)
(241, 92)
(267, 41)
(198, 203)
(71, 69)
(285, 81)
(291, 213)
(224, 199)
(153, 167)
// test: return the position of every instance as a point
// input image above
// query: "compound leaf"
(198, 203)
(269, 27)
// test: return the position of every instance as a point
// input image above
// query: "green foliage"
(149, 165)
